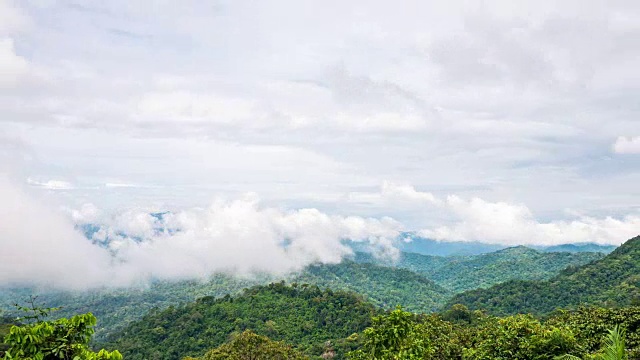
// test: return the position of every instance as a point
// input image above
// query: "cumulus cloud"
(627, 145)
(505, 223)
(394, 195)
(42, 247)
(239, 236)
(515, 224)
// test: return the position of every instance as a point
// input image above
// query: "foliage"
(115, 308)
(393, 336)
(380, 282)
(303, 315)
(613, 348)
(60, 339)
(461, 273)
(250, 346)
(383, 286)
(592, 325)
(471, 335)
(516, 263)
(5, 325)
(613, 281)
(520, 337)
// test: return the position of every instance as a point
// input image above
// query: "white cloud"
(514, 224)
(505, 223)
(51, 184)
(184, 106)
(12, 66)
(627, 145)
(238, 236)
(12, 19)
(41, 247)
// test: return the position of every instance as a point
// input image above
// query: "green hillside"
(611, 281)
(302, 315)
(519, 262)
(385, 287)
(420, 283)
(115, 308)
(461, 273)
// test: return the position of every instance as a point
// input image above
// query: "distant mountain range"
(419, 245)
(611, 281)
(461, 273)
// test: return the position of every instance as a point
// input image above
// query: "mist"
(43, 247)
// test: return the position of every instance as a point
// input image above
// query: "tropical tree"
(250, 346)
(613, 349)
(393, 336)
(62, 339)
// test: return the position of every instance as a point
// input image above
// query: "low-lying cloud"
(503, 223)
(42, 247)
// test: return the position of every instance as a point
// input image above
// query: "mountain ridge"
(611, 281)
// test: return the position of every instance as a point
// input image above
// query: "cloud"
(12, 66)
(241, 237)
(51, 184)
(393, 193)
(12, 18)
(41, 247)
(627, 145)
(120, 185)
(189, 107)
(505, 223)
(514, 224)
(238, 237)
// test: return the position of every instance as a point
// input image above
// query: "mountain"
(611, 281)
(302, 315)
(580, 247)
(461, 273)
(421, 283)
(115, 308)
(384, 286)
(523, 263)
(419, 245)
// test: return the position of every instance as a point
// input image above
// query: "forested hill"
(611, 281)
(384, 286)
(428, 286)
(461, 273)
(303, 315)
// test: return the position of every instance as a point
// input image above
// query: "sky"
(495, 121)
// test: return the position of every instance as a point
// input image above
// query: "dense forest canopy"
(611, 281)
(417, 282)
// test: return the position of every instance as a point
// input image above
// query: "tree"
(613, 349)
(393, 336)
(520, 337)
(250, 346)
(62, 339)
